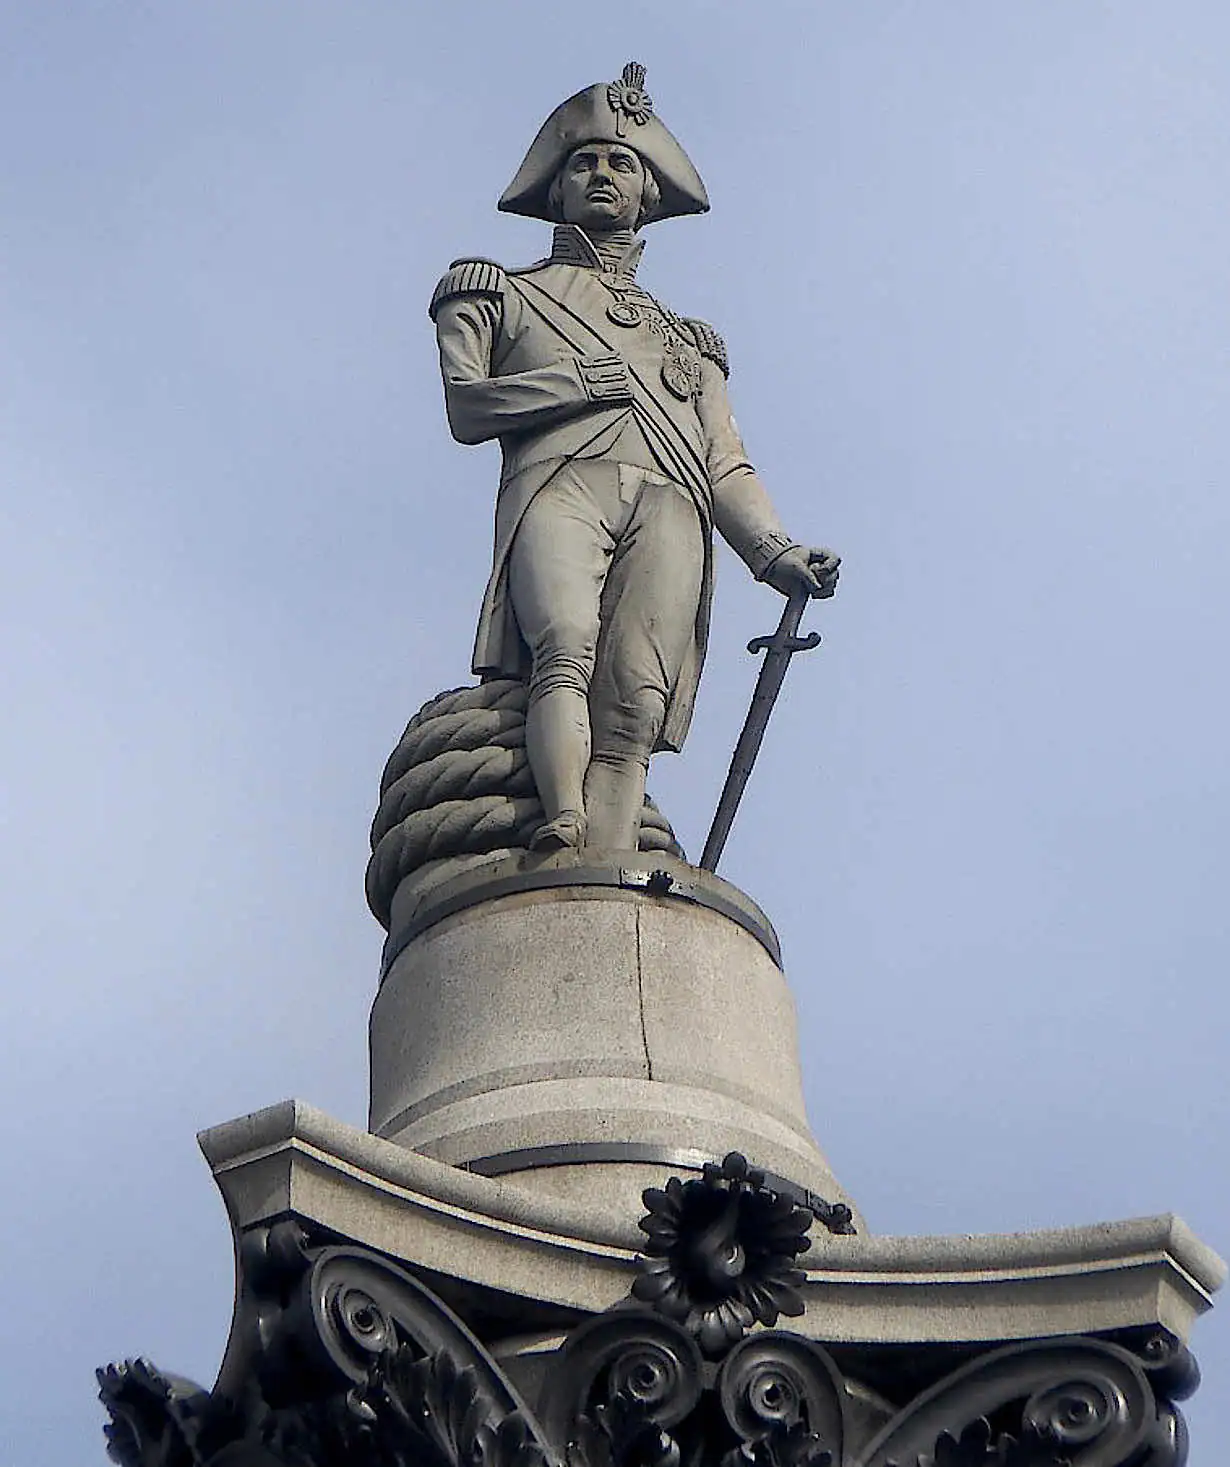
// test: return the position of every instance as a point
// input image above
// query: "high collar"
(616, 253)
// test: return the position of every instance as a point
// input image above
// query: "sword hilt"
(787, 644)
(786, 637)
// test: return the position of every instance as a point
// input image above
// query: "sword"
(779, 649)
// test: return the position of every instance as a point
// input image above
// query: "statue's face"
(601, 186)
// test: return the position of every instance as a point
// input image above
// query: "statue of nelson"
(620, 458)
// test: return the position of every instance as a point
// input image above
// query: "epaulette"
(710, 344)
(467, 277)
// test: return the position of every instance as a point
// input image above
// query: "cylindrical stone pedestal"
(590, 1027)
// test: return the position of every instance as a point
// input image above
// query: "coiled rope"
(458, 788)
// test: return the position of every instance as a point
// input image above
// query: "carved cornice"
(339, 1358)
(873, 1290)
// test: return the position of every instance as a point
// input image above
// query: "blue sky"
(970, 262)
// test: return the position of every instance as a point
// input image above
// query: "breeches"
(605, 576)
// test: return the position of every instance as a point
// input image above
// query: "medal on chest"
(681, 369)
(681, 362)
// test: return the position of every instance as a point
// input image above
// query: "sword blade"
(781, 647)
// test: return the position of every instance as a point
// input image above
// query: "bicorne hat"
(616, 112)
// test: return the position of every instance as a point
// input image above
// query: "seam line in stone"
(640, 996)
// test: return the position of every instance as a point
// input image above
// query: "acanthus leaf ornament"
(340, 1356)
(632, 1390)
(622, 1433)
(785, 1399)
(337, 1355)
(1076, 1401)
(433, 1411)
(625, 1381)
(156, 1420)
(793, 1446)
(978, 1445)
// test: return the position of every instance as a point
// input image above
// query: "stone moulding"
(392, 1311)
(292, 1159)
(621, 990)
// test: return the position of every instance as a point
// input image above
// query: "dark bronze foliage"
(978, 1446)
(624, 1381)
(791, 1447)
(721, 1253)
(340, 1359)
(419, 1411)
(622, 1433)
(345, 1360)
(414, 1411)
(1043, 1403)
(156, 1419)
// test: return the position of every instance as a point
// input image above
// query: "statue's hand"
(800, 568)
(605, 375)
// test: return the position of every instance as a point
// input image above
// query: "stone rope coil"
(458, 791)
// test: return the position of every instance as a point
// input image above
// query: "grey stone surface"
(612, 1188)
(500, 995)
(493, 1235)
(605, 1110)
(718, 1014)
(620, 458)
(579, 1109)
(591, 1016)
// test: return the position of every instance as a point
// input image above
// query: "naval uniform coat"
(568, 360)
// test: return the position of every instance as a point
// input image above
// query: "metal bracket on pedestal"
(673, 879)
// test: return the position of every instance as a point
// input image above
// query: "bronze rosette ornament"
(722, 1253)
